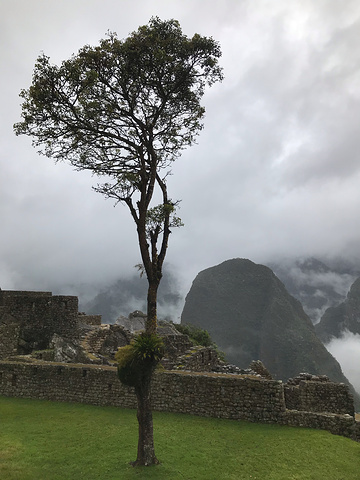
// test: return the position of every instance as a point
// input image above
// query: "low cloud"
(346, 350)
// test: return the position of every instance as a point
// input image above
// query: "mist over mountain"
(343, 318)
(128, 294)
(328, 290)
(250, 315)
(317, 284)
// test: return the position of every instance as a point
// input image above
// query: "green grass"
(42, 440)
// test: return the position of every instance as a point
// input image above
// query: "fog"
(346, 350)
(275, 171)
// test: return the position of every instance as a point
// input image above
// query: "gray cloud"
(276, 170)
(346, 350)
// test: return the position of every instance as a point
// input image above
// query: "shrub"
(148, 347)
(197, 335)
(138, 359)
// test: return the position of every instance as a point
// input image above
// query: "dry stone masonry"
(28, 320)
(313, 393)
(72, 363)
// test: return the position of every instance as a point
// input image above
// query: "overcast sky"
(276, 171)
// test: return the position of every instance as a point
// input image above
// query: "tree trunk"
(151, 322)
(146, 451)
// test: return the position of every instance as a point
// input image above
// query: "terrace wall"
(223, 396)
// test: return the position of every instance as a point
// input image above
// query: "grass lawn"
(41, 440)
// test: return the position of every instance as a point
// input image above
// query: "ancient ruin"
(49, 350)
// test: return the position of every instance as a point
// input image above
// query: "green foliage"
(156, 217)
(138, 359)
(112, 107)
(197, 335)
(45, 440)
(124, 355)
(148, 348)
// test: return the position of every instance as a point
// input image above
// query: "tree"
(125, 110)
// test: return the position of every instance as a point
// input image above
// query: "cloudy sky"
(275, 173)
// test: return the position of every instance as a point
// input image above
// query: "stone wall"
(64, 315)
(315, 393)
(230, 396)
(106, 340)
(319, 397)
(335, 423)
(28, 320)
(198, 359)
(9, 334)
(65, 383)
(89, 319)
(176, 345)
(220, 396)
(212, 395)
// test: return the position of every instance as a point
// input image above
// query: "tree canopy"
(126, 109)
(112, 105)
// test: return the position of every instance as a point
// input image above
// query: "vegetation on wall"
(139, 358)
(197, 335)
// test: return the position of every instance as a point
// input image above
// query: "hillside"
(250, 315)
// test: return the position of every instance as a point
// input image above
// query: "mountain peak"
(250, 315)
